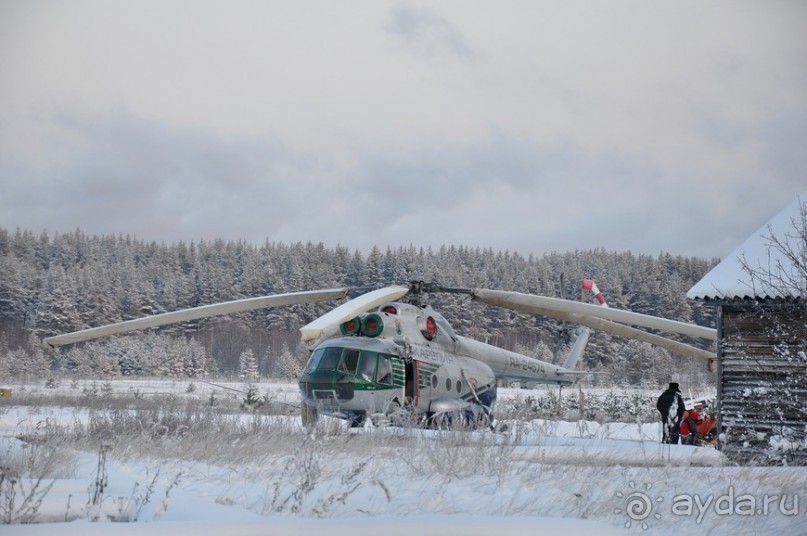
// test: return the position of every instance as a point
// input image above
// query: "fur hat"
(674, 387)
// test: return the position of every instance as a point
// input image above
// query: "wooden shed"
(760, 291)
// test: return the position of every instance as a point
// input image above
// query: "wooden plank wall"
(762, 395)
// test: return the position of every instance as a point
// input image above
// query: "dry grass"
(265, 461)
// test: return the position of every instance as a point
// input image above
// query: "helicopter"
(388, 355)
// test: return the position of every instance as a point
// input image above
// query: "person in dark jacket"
(671, 406)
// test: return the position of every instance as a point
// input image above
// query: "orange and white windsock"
(589, 285)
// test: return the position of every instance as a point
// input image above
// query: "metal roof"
(759, 269)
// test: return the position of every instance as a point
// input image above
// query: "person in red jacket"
(690, 431)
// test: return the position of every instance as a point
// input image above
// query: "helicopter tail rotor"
(575, 354)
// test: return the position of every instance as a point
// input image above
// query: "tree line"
(71, 281)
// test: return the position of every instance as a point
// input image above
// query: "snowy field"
(162, 457)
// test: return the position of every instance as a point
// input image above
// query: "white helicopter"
(388, 354)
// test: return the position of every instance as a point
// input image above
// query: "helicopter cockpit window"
(350, 360)
(367, 366)
(313, 361)
(384, 370)
(324, 359)
(330, 359)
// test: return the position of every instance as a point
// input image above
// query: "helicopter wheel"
(462, 420)
(448, 421)
(309, 416)
(401, 415)
(485, 421)
(357, 420)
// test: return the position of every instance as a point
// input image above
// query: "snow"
(729, 280)
(539, 477)
(389, 526)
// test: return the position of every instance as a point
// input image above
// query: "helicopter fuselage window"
(434, 381)
(459, 386)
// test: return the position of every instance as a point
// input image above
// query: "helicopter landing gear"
(398, 415)
(473, 417)
(309, 416)
(356, 420)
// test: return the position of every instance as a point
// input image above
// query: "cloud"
(530, 126)
(428, 32)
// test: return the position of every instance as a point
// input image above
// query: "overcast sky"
(526, 125)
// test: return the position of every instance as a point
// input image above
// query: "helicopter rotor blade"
(621, 330)
(195, 313)
(351, 309)
(535, 304)
(593, 316)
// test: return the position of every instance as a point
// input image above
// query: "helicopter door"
(410, 384)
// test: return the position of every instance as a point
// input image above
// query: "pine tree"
(374, 273)
(289, 366)
(248, 366)
(55, 284)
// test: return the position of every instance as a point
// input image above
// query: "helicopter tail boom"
(512, 365)
(576, 353)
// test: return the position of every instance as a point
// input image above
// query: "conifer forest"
(66, 282)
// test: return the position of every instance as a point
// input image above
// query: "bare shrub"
(27, 474)
(293, 489)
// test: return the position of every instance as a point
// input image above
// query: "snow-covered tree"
(783, 270)
(55, 284)
(289, 365)
(248, 366)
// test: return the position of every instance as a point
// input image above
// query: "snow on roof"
(758, 269)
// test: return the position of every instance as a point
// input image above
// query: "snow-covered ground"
(255, 473)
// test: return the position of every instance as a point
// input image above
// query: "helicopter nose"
(319, 387)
